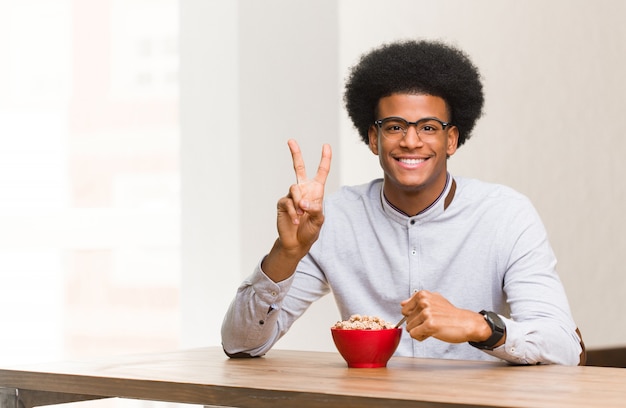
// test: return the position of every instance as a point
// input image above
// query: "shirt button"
(414, 252)
(412, 222)
(274, 293)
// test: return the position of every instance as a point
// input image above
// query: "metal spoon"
(400, 322)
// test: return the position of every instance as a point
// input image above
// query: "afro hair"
(415, 67)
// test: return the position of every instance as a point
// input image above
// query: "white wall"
(553, 74)
(210, 166)
(253, 74)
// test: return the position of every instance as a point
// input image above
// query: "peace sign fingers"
(307, 194)
(300, 169)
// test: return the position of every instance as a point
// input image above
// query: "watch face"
(498, 324)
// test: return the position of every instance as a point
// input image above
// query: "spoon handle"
(400, 322)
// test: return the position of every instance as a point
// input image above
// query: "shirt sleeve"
(538, 343)
(263, 310)
(540, 328)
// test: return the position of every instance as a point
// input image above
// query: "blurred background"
(89, 177)
(143, 149)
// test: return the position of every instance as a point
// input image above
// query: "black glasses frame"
(443, 124)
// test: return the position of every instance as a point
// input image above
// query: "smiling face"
(415, 167)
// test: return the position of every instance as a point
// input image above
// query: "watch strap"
(498, 330)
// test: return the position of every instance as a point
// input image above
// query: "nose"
(411, 137)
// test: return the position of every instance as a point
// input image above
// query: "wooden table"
(311, 379)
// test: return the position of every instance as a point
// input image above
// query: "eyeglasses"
(395, 128)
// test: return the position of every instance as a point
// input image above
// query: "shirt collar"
(438, 206)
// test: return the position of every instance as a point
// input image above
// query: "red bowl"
(366, 348)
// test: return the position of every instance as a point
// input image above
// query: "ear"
(372, 135)
(453, 140)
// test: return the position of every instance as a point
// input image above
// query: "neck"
(413, 202)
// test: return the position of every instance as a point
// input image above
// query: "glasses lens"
(428, 127)
(394, 128)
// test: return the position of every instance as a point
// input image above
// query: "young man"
(468, 263)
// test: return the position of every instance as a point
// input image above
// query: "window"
(89, 178)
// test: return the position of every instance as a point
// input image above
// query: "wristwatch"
(498, 330)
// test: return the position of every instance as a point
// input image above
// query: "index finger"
(411, 301)
(298, 161)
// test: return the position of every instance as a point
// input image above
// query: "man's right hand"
(300, 216)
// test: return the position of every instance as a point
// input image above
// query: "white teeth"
(411, 161)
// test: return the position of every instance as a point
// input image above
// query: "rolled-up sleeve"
(540, 328)
(539, 342)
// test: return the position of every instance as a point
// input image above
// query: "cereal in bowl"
(358, 322)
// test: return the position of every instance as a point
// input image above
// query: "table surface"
(315, 379)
